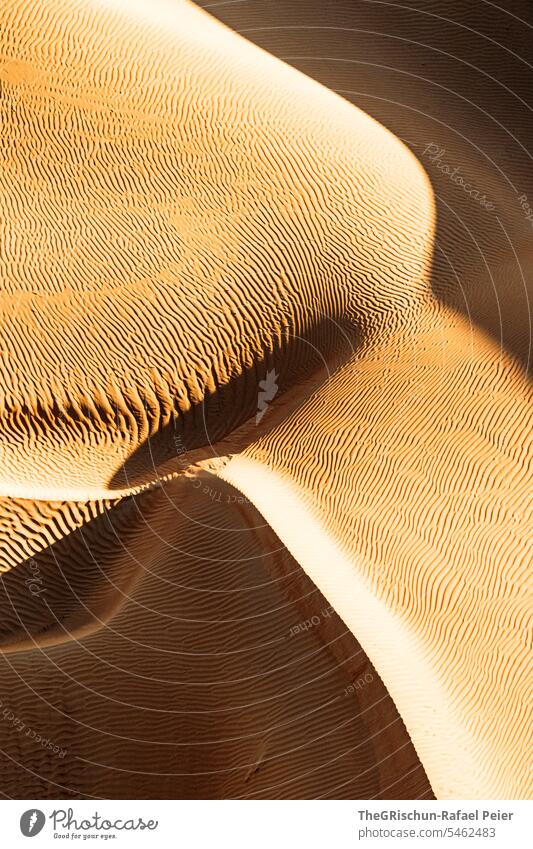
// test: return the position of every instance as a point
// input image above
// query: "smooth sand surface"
(256, 360)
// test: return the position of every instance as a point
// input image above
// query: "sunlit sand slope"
(181, 212)
(402, 487)
(183, 215)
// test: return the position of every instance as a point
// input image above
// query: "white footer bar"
(266, 824)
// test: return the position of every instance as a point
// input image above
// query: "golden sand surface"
(265, 416)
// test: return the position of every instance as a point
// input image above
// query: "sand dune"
(431, 527)
(235, 377)
(200, 290)
(206, 682)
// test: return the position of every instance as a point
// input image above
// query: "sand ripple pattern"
(193, 233)
(200, 677)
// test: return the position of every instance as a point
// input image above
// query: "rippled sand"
(264, 515)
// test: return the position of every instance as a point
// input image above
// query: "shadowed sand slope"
(221, 671)
(220, 279)
(454, 81)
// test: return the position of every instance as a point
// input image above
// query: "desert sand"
(265, 426)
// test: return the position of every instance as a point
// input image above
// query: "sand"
(265, 441)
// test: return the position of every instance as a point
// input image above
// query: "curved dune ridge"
(221, 670)
(434, 542)
(236, 237)
(235, 377)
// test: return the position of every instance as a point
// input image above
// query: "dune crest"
(424, 553)
(219, 273)
(193, 231)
